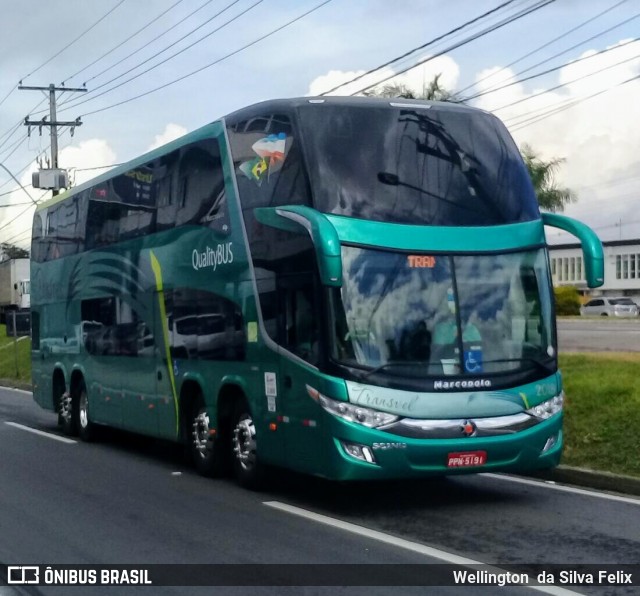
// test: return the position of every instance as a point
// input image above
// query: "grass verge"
(602, 411)
(15, 358)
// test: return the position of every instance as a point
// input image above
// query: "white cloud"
(80, 159)
(417, 78)
(599, 138)
(171, 133)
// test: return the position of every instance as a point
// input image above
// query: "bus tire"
(205, 453)
(86, 428)
(66, 415)
(58, 394)
(247, 468)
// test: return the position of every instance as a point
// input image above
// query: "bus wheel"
(248, 470)
(66, 417)
(86, 428)
(204, 452)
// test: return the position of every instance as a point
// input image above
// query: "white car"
(614, 307)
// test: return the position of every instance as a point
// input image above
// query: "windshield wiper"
(547, 366)
(368, 373)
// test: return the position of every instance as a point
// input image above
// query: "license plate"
(466, 459)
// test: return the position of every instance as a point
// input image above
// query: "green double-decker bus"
(355, 288)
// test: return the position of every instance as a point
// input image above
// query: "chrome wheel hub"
(83, 410)
(200, 433)
(244, 442)
(65, 407)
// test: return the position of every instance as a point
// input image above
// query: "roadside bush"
(567, 301)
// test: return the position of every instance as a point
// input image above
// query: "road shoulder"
(628, 485)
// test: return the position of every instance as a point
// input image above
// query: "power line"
(422, 47)
(548, 111)
(113, 165)
(610, 182)
(173, 26)
(469, 39)
(8, 94)
(8, 223)
(17, 237)
(11, 150)
(10, 132)
(18, 125)
(556, 87)
(210, 64)
(564, 35)
(553, 112)
(236, 17)
(573, 47)
(74, 40)
(8, 171)
(120, 44)
(550, 70)
(9, 205)
(10, 192)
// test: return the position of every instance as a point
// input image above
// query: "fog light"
(361, 452)
(551, 441)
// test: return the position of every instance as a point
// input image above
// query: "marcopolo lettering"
(470, 384)
(212, 257)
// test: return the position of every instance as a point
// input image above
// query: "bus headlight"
(351, 412)
(547, 408)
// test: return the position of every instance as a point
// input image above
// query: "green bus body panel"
(591, 245)
(481, 403)
(509, 453)
(122, 390)
(323, 234)
(438, 239)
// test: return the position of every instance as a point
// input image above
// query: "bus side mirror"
(300, 219)
(591, 245)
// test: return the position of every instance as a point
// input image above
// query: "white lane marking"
(565, 488)
(18, 390)
(35, 431)
(415, 547)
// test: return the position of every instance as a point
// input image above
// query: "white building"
(621, 268)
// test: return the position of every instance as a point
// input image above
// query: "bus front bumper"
(361, 453)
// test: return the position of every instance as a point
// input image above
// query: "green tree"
(550, 196)
(11, 251)
(434, 91)
(567, 300)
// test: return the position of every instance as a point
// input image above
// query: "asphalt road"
(601, 334)
(127, 499)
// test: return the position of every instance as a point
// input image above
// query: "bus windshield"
(432, 315)
(415, 165)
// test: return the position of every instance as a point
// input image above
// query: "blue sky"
(599, 137)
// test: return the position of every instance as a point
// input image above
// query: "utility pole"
(52, 178)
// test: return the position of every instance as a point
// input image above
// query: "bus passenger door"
(99, 333)
(300, 332)
(139, 387)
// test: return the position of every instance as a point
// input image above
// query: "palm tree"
(432, 92)
(550, 196)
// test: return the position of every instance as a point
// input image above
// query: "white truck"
(14, 286)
